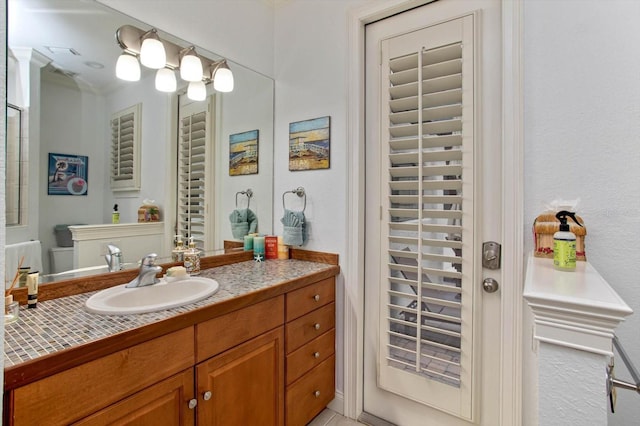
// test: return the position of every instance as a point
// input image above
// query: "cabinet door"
(166, 403)
(244, 385)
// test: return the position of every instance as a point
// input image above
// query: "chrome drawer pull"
(316, 354)
(317, 326)
(316, 394)
(316, 297)
(206, 396)
(192, 403)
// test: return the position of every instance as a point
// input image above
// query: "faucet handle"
(113, 249)
(149, 259)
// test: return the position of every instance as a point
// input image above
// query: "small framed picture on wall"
(310, 144)
(243, 153)
(68, 174)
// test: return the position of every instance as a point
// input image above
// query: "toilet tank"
(61, 259)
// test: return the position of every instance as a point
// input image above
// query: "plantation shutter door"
(426, 309)
(125, 149)
(195, 175)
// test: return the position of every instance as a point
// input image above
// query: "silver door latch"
(491, 255)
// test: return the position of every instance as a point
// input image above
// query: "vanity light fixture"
(190, 65)
(152, 54)
(197, 91)
(166, 80)
(127, 67)
(222, 77)
(194, 68)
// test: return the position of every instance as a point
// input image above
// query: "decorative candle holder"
(11, 312)
(258, 248)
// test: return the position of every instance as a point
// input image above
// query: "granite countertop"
(64, 323)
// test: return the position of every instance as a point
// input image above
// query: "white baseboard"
(337, 404)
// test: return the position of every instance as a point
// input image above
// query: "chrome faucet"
(148, 272)
(114, 258)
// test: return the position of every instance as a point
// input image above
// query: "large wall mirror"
(61, 76)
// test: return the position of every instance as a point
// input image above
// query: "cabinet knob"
(192, 403)
(316, 297)
(317, 326)
(206, 396)
(316, 394)
(316, 354)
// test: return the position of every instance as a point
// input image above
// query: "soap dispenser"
(115, 216)
(177, 254)
(192, 258)
(564, 243)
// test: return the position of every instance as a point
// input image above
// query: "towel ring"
(299, 191)
(248, 193)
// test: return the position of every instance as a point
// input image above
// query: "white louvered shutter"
(125, 149)
(195, 173)
(426, 323)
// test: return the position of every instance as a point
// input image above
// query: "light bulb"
(197, 91)
(223, 79)
(191, 68)
(152, 53)
(127, 67)
(166, 80)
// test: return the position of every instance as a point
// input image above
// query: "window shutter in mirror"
(125, 149)
(195, 173)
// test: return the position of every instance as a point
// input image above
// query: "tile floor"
(331, 418)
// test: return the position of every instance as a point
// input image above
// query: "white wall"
(3, 95)
(248, 107)
(582, 127)
(68, 122)
(311, 81)
(240, 30)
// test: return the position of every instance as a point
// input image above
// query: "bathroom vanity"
(259, 351)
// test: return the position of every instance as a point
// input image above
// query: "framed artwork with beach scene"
(243, 153)
(68, 174)
(310, 144)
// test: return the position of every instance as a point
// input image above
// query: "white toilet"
(61, 259)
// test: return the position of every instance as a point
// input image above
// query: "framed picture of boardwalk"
(310, 144)
(243, 153)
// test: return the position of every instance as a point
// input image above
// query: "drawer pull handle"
(316, 394)
(316, 297)
(206, 396)
(192, 403)
(316, 354)
(317, 326)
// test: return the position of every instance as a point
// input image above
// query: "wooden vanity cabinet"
(79, 392)
(310, 351)
(242, 383)
(269, 363)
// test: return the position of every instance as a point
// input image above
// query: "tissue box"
(148, 213)
(546, 225)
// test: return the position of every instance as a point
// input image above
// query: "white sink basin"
(120, 300)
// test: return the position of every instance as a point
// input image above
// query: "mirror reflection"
(180, 173)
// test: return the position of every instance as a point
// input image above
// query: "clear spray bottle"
(564, 243)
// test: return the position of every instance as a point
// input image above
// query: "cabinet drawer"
(311, 394)
(306, 299)
(219, 334)
(73, 394)
(308, 356)
(310, 326)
